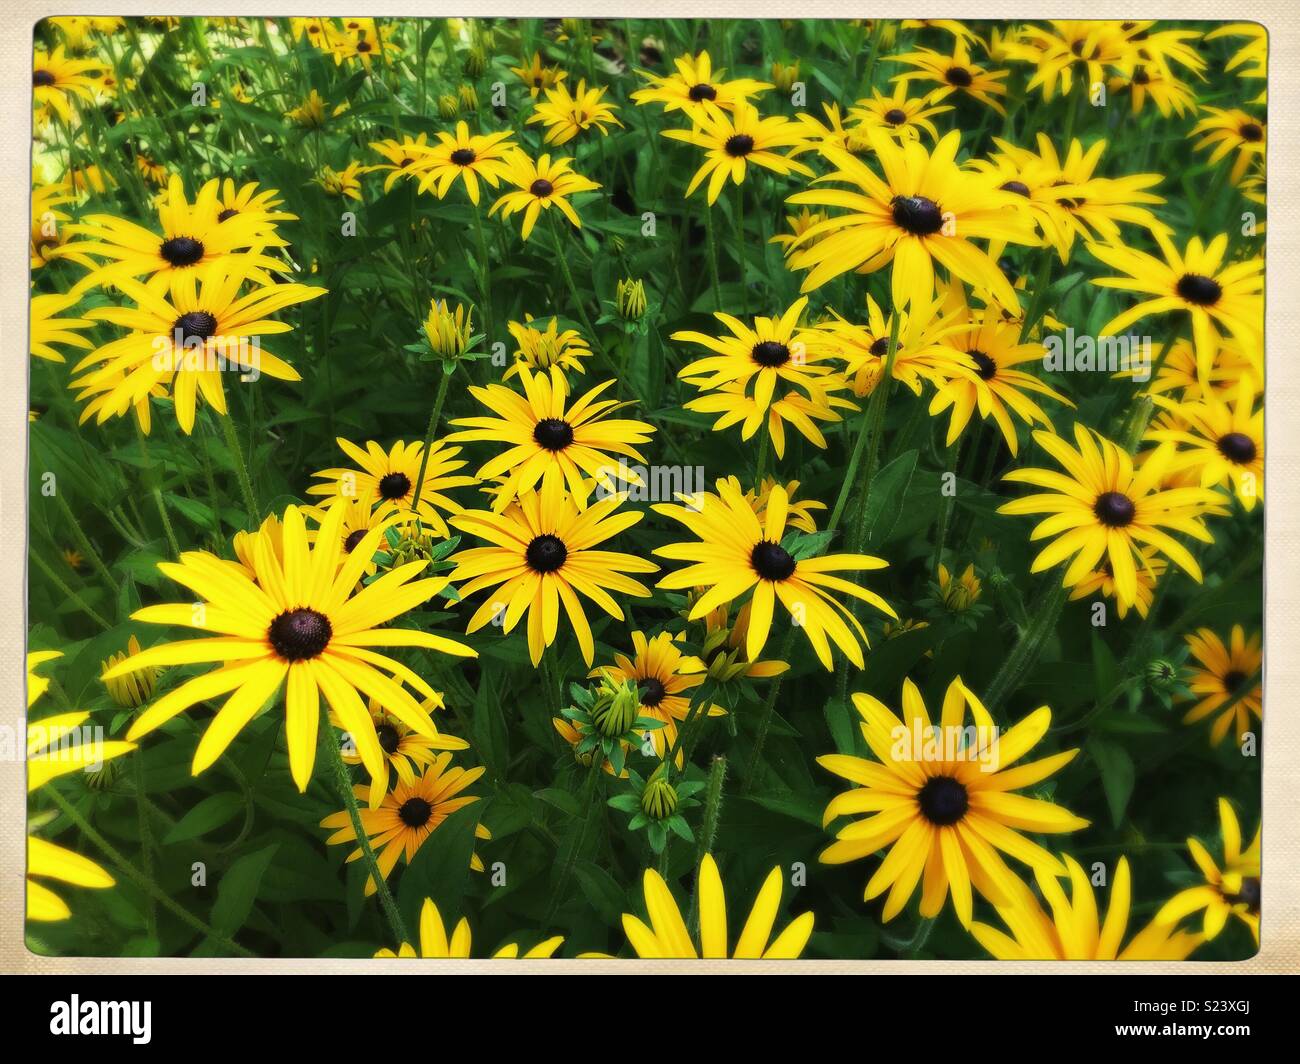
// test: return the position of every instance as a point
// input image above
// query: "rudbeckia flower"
(696, 83)
(541, 185)
(953, 73)
(1197, 281)
(47, 329)
(942, 803)
(1233, 890)
(1228, 132)
(663, 676)
(187, 341)
(1149, 567)
(667, 935)
(393, 477)
(902, 118)
(1070, 47)
(344, 183)
(56, 76)
(1221, 439)
(402, 821)
(404, 157)
(736, 554)
(1170, 95)
(925, 209)
(732, 141)
(566, 114)
(540, 349)
(1225, 673)
(298, 624)
(553, 441)
(802, 410)
(542, 553)
(1071, 929)
(537, 75)
(47, 221)
(193, 237)
(469, 157)
(251, 203)
(1101, 508)
(405, 751)
(436, 944)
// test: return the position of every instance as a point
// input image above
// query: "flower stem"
(571, 854)
(765, 718)
(713, 255)
(740, 246)
(68, 593)
(432, 427)
(568, 280)
(156, 491)
(241, 468)
(485, 276)
(343, 782)
(84, 544)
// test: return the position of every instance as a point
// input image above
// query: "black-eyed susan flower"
(406, 751)
(392, 477)
(800, 409)
(1101, 507)
(1213, 293)
(450, 331)
(737, 554)
(667, 934)
(926, 209)
(48, 329)
(553, 441)
(959, 593)
(1169, 94)
(940, 799)
(540, 186)
(254, 204)
(724, 655)
(537, 75)
(300, 624)
(542, 553)
(539, 349)
(470, 157)
(314, 111)
(57, 77)
(1233, 890)
(901, 116)
(663, 676)
(345, 183)
(777, 349)
(732, 141)
(406, 816)
(48, 220)
(1069, 929)
(1226, 681)
(192, 237)
(403, 158)
(954, 73)
(1066, 50)
(695, 83)
(1149, 567)
(1231, 132)
(186, 340)
(436, 944)
(991, 383)
(567, 113)
(1220, 440)
(364, 42)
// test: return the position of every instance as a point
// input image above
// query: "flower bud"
(617, 711)
(630, 298)
(448, 331)
(448, 106)
(659, 799)
(134, 689)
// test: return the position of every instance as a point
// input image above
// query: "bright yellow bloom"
(56, 77)
(943, 805)
(1233, 890)
(345, 183)
(566, 114)
(1149, 567)
(1228, 132)
(540, 349)
(449, 332)
(1226, 673)
(436, 944)
(801, 409)
(541, 185)
(902, 118)
(694, 84)
(1070, 47)
(954, 73)
(733, 141)
(469, 157)
(537, 75)
(47, 329)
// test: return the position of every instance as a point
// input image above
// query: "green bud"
(475, 62)
(617, 710)
(630, 298)
(468, 98)
(448, 106)
(1161, 674)
(659, 799)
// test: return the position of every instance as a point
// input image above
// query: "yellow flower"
(1228, 132)
(1149, 568)
(297, 623)
(56, 77)
(1226, 673)
(541, 185)
(668, 936)
(733, 141)
(790, 407)
(405, 750)
(400, 823)
(311, 113)
(1100, 507)
(954, 73)
(469, 157)
(537, 75)
(542, 551)
(340, 182)
(959, 594)
(47, 220)
(695, 84)
(736, 553)
(567, 114)
(902, 118)
(1072, 931)
(47, 329)
(436, 944)
(1069, 47)
(942, 804)
(1233, 890)
(449, 332)
(540, 349)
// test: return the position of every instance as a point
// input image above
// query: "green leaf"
(208, 815)
(237, 889)
(1117, 776)
(440, 869)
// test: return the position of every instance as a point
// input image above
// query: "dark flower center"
(363, 46)
(415, 812)
(546, 553)
(917, 214)
(1237, 447)
(388, 738)
(354, 537)
(541, 188)
(42, 78)
(1114, 509)
(1199, 289)
(771, 353)
(394, 486)
(1141, 77)
(984, 365)
(181, 250)
(229, 212)
(553, 433)
(895, 116)
(1249, 894)
(463, 156)
(1233, 679)
(1252, 131)
(652, 691)
(1018, 187)
(702, 91)
(297, 635)
(739, 145)
(196, 325)
(1077, 48)
(959, 77)
(880, 348)
(943, 800)
(771, 561)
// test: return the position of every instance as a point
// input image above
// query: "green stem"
(713, 255)
(66, 591)
(343, 782)
(241, 468)
(430, 429)
(152, 475)
(765, 718)
(945, 511)
(143, 882)
(571, 854)
(740, 246)
(590, 329)
(84, 544)
(485, 276)
(146, 841)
